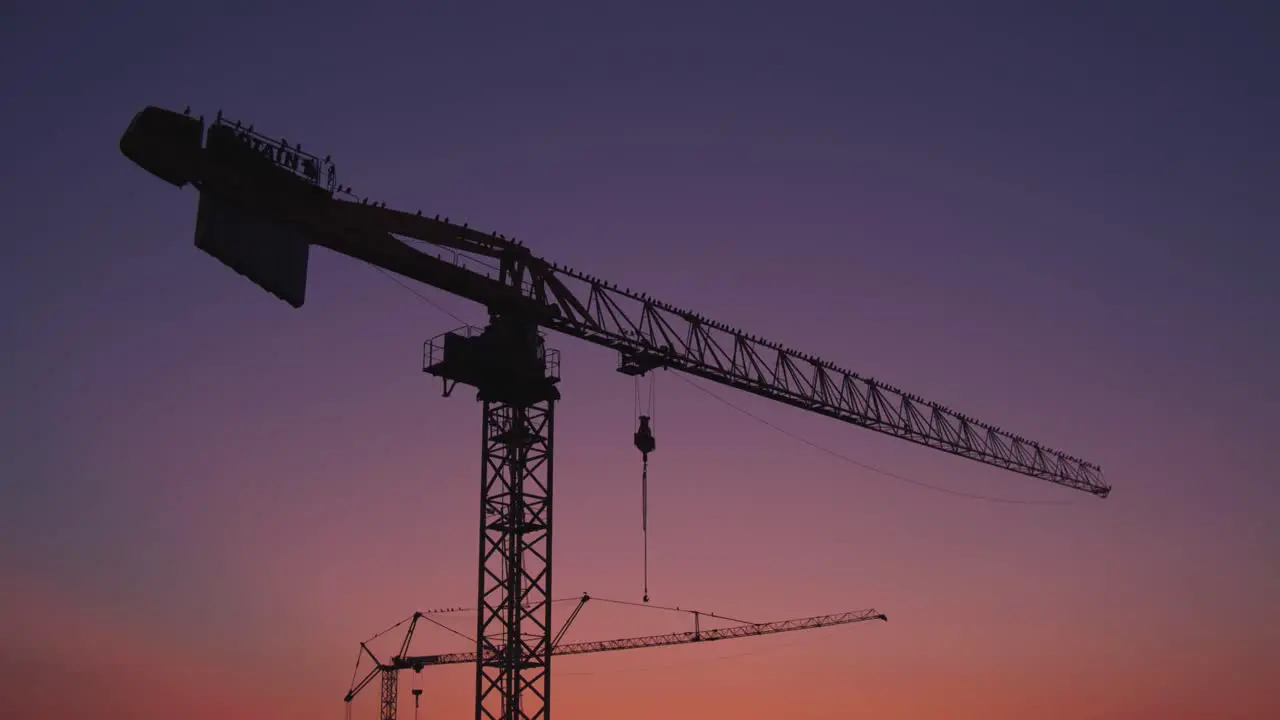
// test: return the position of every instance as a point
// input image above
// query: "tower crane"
(264, 202)
(403, 661)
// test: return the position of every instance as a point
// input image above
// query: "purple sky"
(1061, 221)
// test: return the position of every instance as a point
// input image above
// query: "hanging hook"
(646, 444)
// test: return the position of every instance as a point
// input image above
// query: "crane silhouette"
(402, 660)
(259, 215)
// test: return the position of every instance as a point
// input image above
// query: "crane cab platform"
(505, 362)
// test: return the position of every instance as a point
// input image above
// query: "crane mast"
(515, 379)
(265, 202)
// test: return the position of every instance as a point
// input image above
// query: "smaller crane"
(403, 661)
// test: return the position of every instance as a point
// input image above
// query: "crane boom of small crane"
(403, 661)
(650, 641)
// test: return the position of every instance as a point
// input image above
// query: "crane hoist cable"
(646, 444)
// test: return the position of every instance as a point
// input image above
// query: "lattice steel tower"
(515, 376)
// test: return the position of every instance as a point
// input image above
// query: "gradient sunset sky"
(1059, 218)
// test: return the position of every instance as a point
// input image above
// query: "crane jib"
(650, 333)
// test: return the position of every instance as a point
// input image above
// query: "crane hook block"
(644, 437)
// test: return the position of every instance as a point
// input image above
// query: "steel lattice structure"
(404, 661)
(417, 662)
(513, 625)
(389, 698)
(264, 203)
